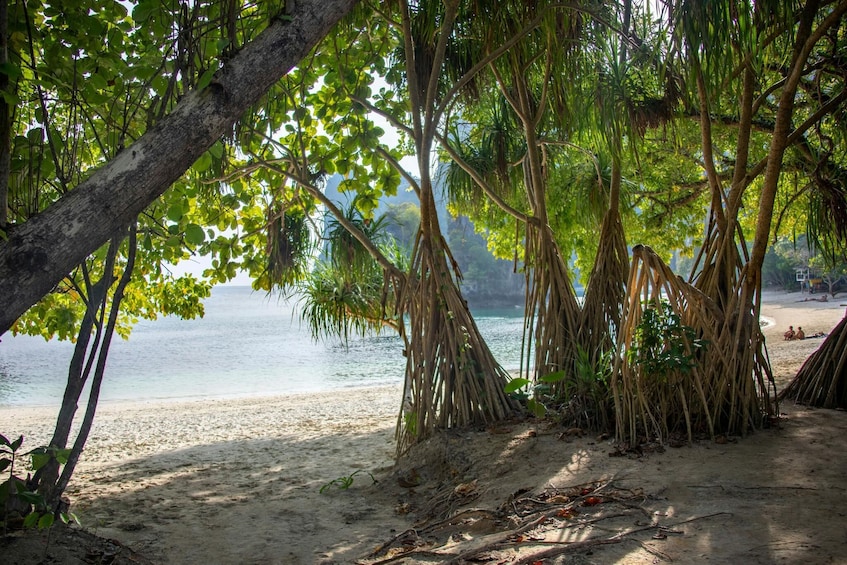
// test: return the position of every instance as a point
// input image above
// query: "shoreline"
(119, 403)
(243, 476)
(779, 310)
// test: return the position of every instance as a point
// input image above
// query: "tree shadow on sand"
(506, 494)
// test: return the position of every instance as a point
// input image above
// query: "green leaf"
(31, 520)
(45, 521)
(142, 11)
(11, 98)
(515, 385)
(10, 69)
(35, 135)
(4, 463)
(553, 377)
(62, 455)
(4, 440)
(217, 150)
(98, 82)
(536, 408)
(175, 212)
(206, 79)
(194, 234)
(31, 497)
(204, 163)
(39, 460)
(15, 445)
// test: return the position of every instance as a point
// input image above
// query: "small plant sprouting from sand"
(16, 497)
(343, 483)
(523, 390)
(663, 344)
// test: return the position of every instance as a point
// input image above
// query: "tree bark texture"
(38, 254)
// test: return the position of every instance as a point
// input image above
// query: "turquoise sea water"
(247, 344)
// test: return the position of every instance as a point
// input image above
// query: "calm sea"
(248, 344)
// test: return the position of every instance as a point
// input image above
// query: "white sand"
(237, 481)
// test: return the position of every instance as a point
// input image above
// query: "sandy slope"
(238, 481)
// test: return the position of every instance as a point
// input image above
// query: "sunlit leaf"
(194, 234)
(515, 385)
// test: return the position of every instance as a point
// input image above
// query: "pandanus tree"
(532, 77)
(633, 92)
(451, 377)
(502, 166)
(346, 293)
(730, 54)
(561, 98)
(822, 380)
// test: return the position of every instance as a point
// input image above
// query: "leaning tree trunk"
(39, 253)
(81, 364)
(822, 380)
(55, 494)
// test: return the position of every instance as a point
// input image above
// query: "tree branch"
(39, 253)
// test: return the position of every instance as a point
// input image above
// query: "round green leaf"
(204, 163)
(31, 520)
(175, 212)
(194, 234)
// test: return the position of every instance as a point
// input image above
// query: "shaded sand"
(238, 481)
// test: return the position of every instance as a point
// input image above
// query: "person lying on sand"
(823, 298)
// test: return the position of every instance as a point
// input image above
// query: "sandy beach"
(239, 481)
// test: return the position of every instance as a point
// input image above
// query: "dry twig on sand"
(532, 527)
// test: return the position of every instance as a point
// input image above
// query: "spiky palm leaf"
(334, 304)
(347, 293)
(826, 221)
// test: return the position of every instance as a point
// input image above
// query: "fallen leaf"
(465, 489)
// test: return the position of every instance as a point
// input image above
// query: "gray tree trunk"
(39, 253)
